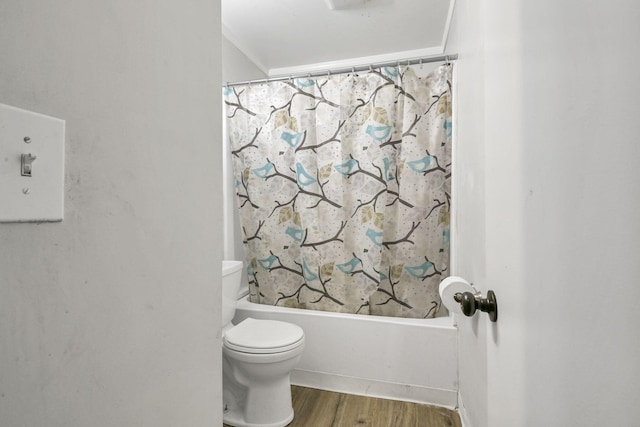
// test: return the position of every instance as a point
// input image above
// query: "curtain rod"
(324, 73)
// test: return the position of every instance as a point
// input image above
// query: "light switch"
(31, 166)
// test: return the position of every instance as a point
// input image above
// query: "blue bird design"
(420, 165)
(304, 83)
(249, 270)
(379, 133)
(295, 233)
(227, 91)
(383, 276)
(445, 236)
(419, 271)
(309, 275)
(293, 139)
(375, 236)
(349, 266)
(391, 71)
(303, 176)
(346, 167)
(387, 166)
(448, 127)
(263, 171)
(267, 262)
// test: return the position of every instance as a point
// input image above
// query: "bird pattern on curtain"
(343, 188)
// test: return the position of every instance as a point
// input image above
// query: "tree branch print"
(334, 138)
(250, 144)
(321, 196)
(371, 201)
(438, 98)
(435, 271)
(405, 239)
(437, 168)
(390, 81)
(436, 206)
(245, 197)
(324, 242)
(238, 105)
(281, 266)
(255, 235)
(324, 293)
(405, 134)
(374, 199)
(379, 177)
(435, 306)
(392, 294)
(364, 273)
(298, 91)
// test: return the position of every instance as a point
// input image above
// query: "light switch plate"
(39, 197)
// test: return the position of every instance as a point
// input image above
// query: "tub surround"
(413, 360)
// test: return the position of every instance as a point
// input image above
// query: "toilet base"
(263, 403)
(234, 420)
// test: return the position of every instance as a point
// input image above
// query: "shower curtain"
(343, 189)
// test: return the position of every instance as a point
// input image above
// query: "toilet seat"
(263, 336)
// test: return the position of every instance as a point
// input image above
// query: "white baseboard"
(372, 388)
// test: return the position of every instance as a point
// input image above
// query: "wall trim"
(375, 388)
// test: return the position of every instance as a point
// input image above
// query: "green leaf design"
(286, 214)
(366, 214)
(380, 115)
(378, 220)
(444, 217)
(296, 219)
(325, 171)
(327, 269)
(396, 272)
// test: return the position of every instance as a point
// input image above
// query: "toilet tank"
(231, 278)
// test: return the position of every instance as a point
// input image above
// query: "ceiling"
(292, 36)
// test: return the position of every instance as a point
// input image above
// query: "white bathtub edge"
(445, 322)
(373, 388)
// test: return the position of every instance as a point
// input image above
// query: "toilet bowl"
(258, 356)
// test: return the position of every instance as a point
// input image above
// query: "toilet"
(257, 356)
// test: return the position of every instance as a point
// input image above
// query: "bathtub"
(414, 360)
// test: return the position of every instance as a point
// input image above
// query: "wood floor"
(319, 408)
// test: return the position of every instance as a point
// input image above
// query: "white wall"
(553, 106)
(236, 67)
(112, 317)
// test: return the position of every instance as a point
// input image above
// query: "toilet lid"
(263, 336)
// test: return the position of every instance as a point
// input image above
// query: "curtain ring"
(420, 63)
(353, 70)
(290, 78)
(227, 85)
(370, 68)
